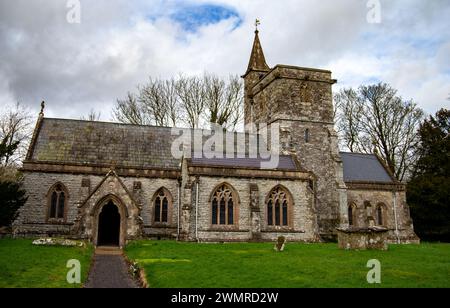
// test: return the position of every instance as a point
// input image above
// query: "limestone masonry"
(110, 183)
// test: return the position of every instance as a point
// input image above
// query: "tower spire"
(257, 59)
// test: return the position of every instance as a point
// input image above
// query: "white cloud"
(6, 97)
(120, 43)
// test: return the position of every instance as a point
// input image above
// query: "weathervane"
(42, 109)
(257, 23)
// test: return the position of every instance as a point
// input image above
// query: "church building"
(110, 183)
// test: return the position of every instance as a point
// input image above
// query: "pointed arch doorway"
(109, 225)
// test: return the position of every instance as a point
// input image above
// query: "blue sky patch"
(194, 16)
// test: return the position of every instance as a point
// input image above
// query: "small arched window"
(352, 215)
(58, 202)
(223, 206)
(162, 202)
(278, 205)
(307, 135)
(380, 215)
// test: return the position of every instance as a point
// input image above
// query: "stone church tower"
(300, 101)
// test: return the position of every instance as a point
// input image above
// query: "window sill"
(160, 226)
(281, 230)
(224, 229)
(50, 223)
(56, 222)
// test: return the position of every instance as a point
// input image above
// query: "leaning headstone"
(281, 242)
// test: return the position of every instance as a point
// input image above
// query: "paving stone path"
(110, 270)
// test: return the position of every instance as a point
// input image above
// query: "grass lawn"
(190, 265)
(23, 265)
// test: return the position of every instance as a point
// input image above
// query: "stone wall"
(396, 219)
(300, 100)
(33, 216)
(251, 221)
(87, 194)
(293, 93)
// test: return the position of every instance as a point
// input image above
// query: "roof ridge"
(143, 125)
(353, 153)
(111, 123)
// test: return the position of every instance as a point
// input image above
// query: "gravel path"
(110, 271)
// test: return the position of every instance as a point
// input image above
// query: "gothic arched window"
(162, 203)
(278, 207)
(380, 215)
(352, 214)
(223, 204)
(57, 202)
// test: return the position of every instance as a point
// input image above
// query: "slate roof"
(364, 168)
(101, 143)
(284, 162)
(80, 142)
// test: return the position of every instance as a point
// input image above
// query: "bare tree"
(92, 116)
(173, 108)
(129, 111)
(15, 127)
(189, 101)
(375, 118)
(348, 115)
(224, 101)
(192, 95)
(158, 98)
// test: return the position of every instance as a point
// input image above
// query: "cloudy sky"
(119, 43)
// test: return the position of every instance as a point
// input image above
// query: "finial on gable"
(41, 114)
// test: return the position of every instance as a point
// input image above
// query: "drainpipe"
(196, 209)
(251, 116)
(395, 216)
(179, 208)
